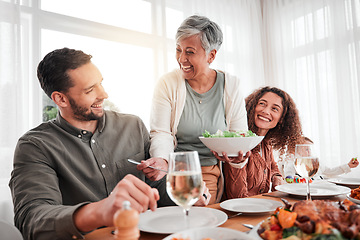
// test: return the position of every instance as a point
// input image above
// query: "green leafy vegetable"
(296, 231)
(220, 133)
(293, 231)
(328, 237)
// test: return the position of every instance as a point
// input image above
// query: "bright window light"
(120, 13)
(128, 70)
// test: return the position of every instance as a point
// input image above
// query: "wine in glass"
(184, 179)
(306, 163)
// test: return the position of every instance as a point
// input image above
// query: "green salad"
(220, 133)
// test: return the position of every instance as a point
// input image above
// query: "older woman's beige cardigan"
(168, 104)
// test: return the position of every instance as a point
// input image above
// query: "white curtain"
(313, 52)
(21, 106)
(14, 95)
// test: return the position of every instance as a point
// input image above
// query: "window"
(326, 51)
(123, 39)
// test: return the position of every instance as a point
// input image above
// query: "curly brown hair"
(288, 131)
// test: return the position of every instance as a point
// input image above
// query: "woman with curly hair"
(271, 113)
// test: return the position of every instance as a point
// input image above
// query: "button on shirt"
(58, 168)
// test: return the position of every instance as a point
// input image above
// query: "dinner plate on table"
(251, 205)
(354, 200)
(345, 181)
(217, 233)
(316, 190)
(167, 220)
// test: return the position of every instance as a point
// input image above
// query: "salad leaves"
(220, 133)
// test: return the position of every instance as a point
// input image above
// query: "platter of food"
(317, 219)
(209, 233)
(167, 220)
(354, 200)
(231, 142)
(354, 196)
(317, 190)
(250, 205)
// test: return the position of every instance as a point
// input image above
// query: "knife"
(137, 163)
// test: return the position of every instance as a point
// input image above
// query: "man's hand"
(140, 195)
(239, 159)
(153, 174)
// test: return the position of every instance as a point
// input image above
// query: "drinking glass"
(306, 163)
(184, 179)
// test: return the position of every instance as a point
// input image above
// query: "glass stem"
(308, 197)
(186, 218)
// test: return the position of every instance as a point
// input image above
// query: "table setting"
(239, 218)
(232, 223)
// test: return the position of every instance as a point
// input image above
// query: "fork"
(235, 215)
(249, 226)
(137, 163)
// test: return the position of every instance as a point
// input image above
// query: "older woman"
(271, 113)
(195, 98)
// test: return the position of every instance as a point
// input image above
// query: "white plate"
(216, 233)
(231, 145)
(354, 200)
(251, 205)
(316, 190)
(345, 181)
(168, 220)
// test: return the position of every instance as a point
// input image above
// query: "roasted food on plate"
(355, 193)
(316, 220)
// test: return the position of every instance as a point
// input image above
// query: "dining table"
(233, 222)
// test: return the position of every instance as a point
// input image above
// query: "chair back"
(8, 231)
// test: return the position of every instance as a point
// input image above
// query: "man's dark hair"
(52, 70)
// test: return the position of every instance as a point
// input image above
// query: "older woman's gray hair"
(211, 36)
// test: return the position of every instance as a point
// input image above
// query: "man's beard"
(80, 113)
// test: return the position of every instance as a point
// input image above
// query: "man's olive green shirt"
(58, 168)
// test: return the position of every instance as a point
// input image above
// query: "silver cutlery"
(249, 226)
(235, 215)
(137, 163)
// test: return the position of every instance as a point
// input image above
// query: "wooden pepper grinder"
(126, 223)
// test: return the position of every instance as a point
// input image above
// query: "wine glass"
(306, 163)
(184, 179)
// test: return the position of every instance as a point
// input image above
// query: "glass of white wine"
(184, 179)
(306, 163)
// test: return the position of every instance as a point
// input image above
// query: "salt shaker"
(126, 223)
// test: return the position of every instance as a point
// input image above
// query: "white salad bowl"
(231, 145)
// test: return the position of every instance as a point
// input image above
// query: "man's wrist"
(86, 219)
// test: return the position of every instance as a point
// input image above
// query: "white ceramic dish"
(216, 233)
(253, 232)
(345, 181)
(316, 190)
(169, 220)
(251, 205)
(357, 201)
(231, 145)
